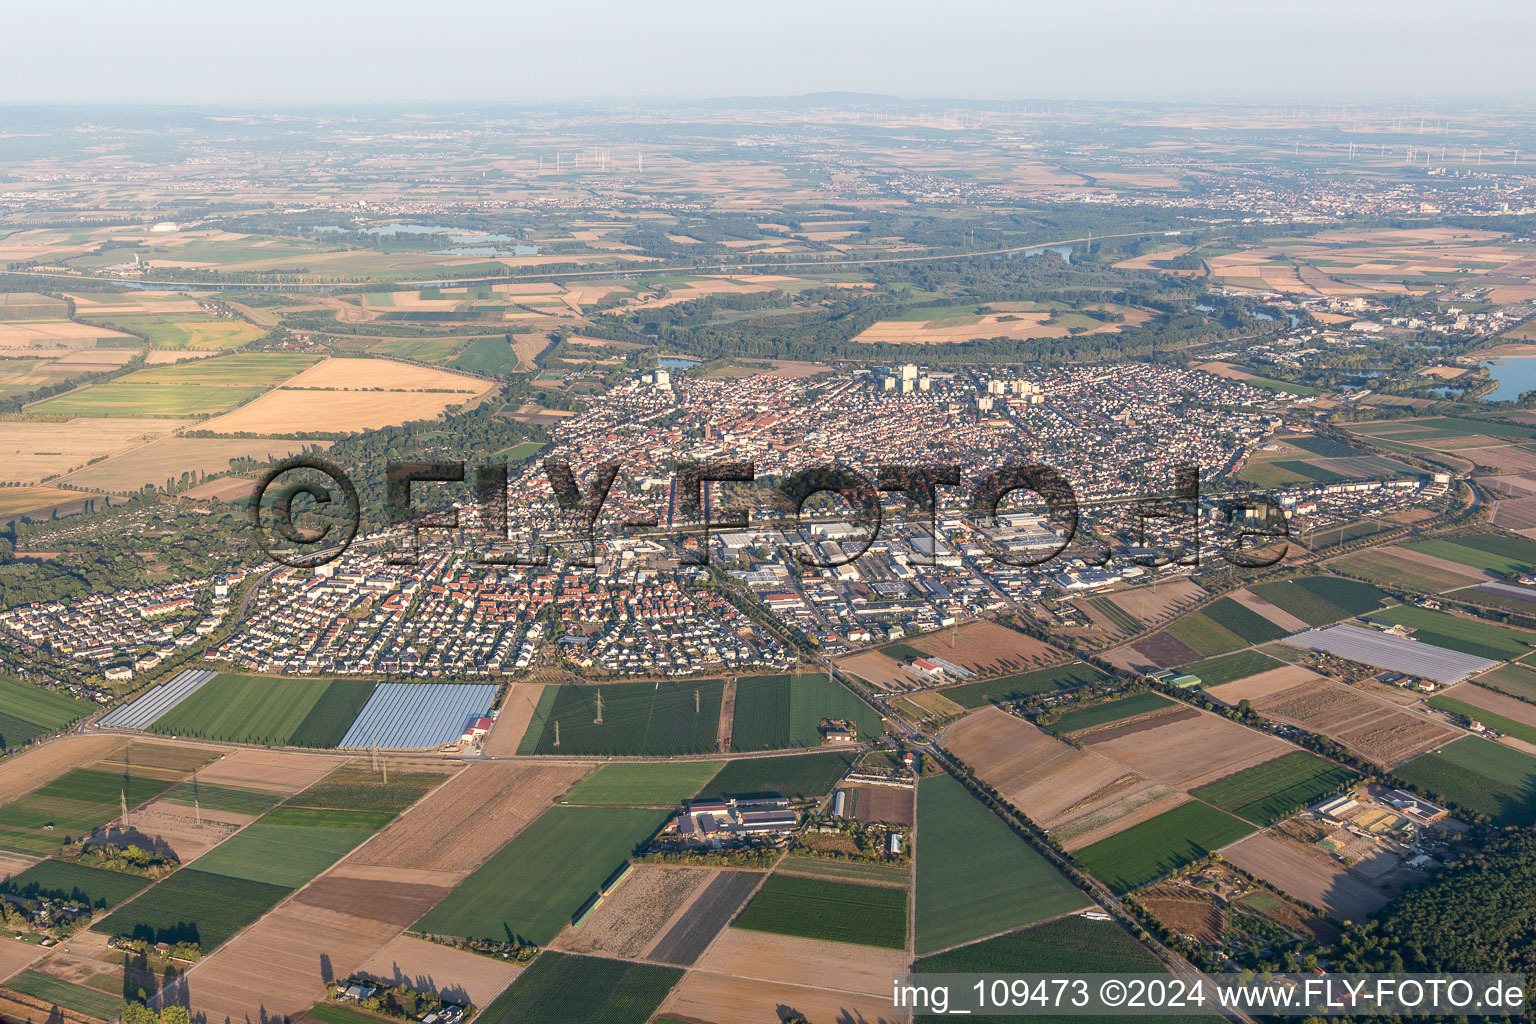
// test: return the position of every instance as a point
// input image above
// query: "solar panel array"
(148, 709)
(417, 716)
(1400, 654)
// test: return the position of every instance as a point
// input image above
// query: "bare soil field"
(512, 720)
(1376, 731)
(877, 669)
(167, 826)
(394, 902)
(1186, 749)
(227, 488)
(707, 998)
(1164, 651)
(1265, 684)
(811, 962)
(382, 375)
(1273, 612)
(889, 804)
(638, 912)
(460, 824)
(27, 333)
(16, 955)
(1514, 514)
(1161, 601)
(1308, 875)
(1181, 908)
(1504, 458)
(24, 772)
(988, 649)
(272, 771)
(157, 461)
(1497, 703)
(130, 303)
(300, 411)
(164, 356)
(685, 939)
(431, 967)
(31, 450)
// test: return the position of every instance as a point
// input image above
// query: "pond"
(1515, 376)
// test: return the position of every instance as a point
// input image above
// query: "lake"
(1515, 376)
(676, 362)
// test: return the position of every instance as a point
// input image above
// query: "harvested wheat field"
(1307, 874)
(31, 450)
(1161, 601)
(21, 774)
(1375, 730)
(14, 864)
(879, 670)
(272, 771)
(460, 824)
(26, 333)
(703, 997)
(431, 967)
(301, 411)
(346, 374)
(988, 649)
(164, 356)
(811, 962)
(1186, 748)
(1263, 685)
(1494, 703)
(169, 457)
(512, 720)
(644, 907)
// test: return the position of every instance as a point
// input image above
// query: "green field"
(145, 400)
(292, 845)
(1270, 792)
(59, 879)
(1481, 776)
(75, 804)
(1319, 600)
(423, 350)
(193, 906)
(487, 355)
(834, 911)
(66, 994)
(1017, 687)
(1130, 859)
(650, 719)
(1460, 633)
(1205, 636)
(265, 369)
(29, 712)
(1514, 680)
(975, 877)
(1493, 551)
(1122, 619)
(1384, 566)
(536, 882)
(1507, 726)
(663, 784)
(195, 331)
(567, 987)
(210, 797)
(793, 775)
(778, 711)
(269, 710)
(874, 872)
(1229, 667)
(1243, 621)
(1108, 711)
(355, 788)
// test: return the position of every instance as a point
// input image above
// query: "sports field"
(144, 400)
(567, 987)
(270, 710)
(777, 711)
(1024, 684)
(1108, 711)
(1461, 633)
(1319, 600)
(652, 719)
(1130, 859)
(1479, 775)
(536, 882)
(28, 712)
(834, 911)
(1269, 792)
(975, 877)
(663, 784)
(792, 775)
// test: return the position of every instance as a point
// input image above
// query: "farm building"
(716, 820)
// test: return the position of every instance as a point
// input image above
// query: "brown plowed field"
(463, 822)
(1164, 651)
(512, 721)
(272, 771)
(1186, 749)
(987, 648)
(1265, 684)
(1309, 875)
(882, 803)
(398, 903)
(1381, 733)
(811, 962)
(878, 670)
(430, 967)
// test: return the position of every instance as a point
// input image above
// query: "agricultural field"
(1226, 669)
(102, 890)
(1026, 684)
(1319, 600)
(1205, 636)
(170, 400)
(532, 887)
(35, 449)
(975, 877)
(1151, 849)
(1461, 633)
(1372, 728)
(654, 720)
(792, 775)
(566, 986)
(1517, 681)
(643, 785)
(269, 710)
(1108, 711)
(29, 712)
(193, 906)
(834, 911)
(1308, 874)
(1480, 711)
(213, 797)
(1481, 776)
(487, 355)
(1494, 551)
(1156, 604)
(291, 845)
(180, 330)
(18, 500)
(167, 459)
(1274, 790)
(777, 711)
(983, 647)
(1242, 621)
(66, 994)
(254, 369)
(1393, 566)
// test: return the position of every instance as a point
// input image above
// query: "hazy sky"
(204, 53)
